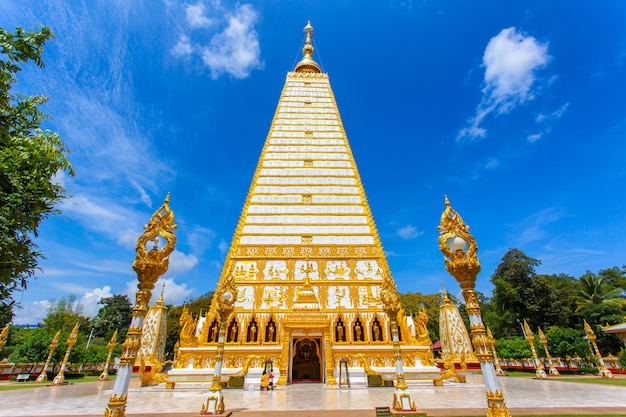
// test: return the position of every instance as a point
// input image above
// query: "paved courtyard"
(523, 396)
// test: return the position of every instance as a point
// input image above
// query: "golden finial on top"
(307, 64)
(160, 300)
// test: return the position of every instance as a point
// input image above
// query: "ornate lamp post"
(149, 266)
(104, 376)
(544, 342)
(43, 376)
(71, 341)
(492, 347)
(591, 337)
(390, 299)
(459, 250)
(539, 372)
(225, 297)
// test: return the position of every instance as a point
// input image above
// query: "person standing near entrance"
(265, 381)
(271, 378)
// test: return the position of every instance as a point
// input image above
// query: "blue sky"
(515, 110)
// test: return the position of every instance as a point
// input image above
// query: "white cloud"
(235, 50)
(145, 198)
(409, 232)
(110, 218)
(534, 137)
(90, 300)
(223, 247)
(179, 262)
(511, 60)
(174, 294)
(195, 14)
(31, 313)
(182, 48)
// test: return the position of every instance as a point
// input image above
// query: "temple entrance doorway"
(306, 359)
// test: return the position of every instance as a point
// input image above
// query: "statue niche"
(340, 331)
(377, 331)
(357, 331)
(252, 334)
(270, 332)
(233, 332)
(214, 332)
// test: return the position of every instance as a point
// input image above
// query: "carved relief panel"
(245, 270)
(337, 270)
(304, 268)
(245, 297)
(275, 270)
(368, 270)
(338, 296)
(274, 297)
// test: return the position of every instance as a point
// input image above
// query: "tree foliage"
(115, 314)
(30, 158)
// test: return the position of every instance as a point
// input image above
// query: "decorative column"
(71, 341)
(591, 337)
(544, 342)
(390, 299)
(496, 361)
(43, 376)
(539, 372)
(149, 264)
(225, 297)
(104, 376)
(460, 255)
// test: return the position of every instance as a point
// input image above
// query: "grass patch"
(593, 380)
(12, 385)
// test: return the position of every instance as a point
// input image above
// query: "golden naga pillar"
(59, 379)
(43, 376)
(539, 372)
(544, 342)
(104, 376)
(459, 249)
(149, 264)
(4, 335)
(591, 338)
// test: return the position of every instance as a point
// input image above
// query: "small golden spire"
(160, 300)
(307, 64)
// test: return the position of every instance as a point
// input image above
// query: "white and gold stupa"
(306, 259)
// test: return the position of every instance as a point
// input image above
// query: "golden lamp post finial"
(460, 256)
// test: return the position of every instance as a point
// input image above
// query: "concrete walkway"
(523, 396)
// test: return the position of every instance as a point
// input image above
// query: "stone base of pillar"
(540, 374)
(214, 404)
(59, 380)
(605, 373)
(104, 376)
(402, 401)
(500, 372)
(553, 371)
(43, 377)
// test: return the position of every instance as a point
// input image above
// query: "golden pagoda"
(154, 333)
(306, 260)
(455, 341)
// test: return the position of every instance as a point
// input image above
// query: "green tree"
(596, 290)
(115, 313)
(567, 343)
(515, 347)
(64, 314)
(520, 294)
(30, 158)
